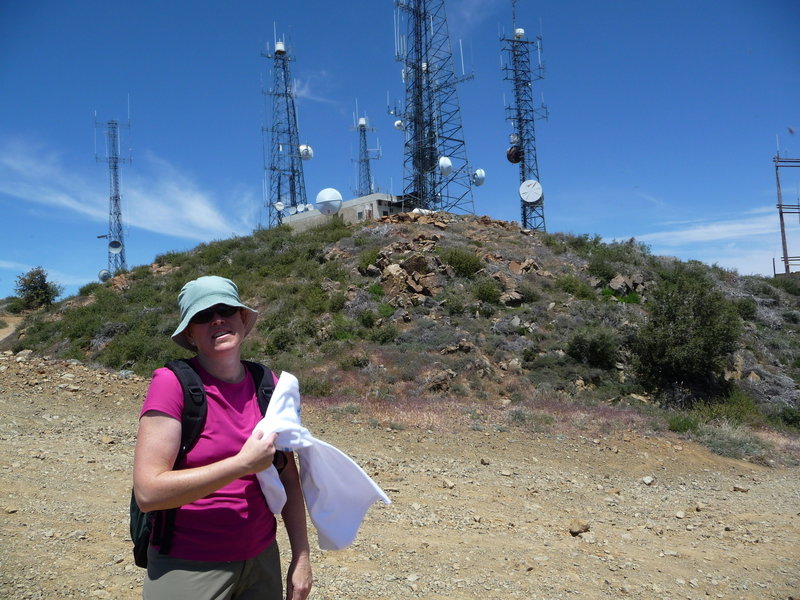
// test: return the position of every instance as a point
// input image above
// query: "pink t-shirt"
(233, 523)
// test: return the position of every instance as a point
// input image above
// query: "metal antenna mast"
(116, 240)
(522, 114)
(788, 261)
(436, 171)
(365, 183)
(287, 188)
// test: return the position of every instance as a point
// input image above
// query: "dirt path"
(476, 514)
(11, 324)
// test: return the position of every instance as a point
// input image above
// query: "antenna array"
(366, 185)
(287, 188)
(116, 240)
(522, 114)
(436, 172)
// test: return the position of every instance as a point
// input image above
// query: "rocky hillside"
(444, 308)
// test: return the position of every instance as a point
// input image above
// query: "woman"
(223, 542)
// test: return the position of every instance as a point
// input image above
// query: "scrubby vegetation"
(471, 311)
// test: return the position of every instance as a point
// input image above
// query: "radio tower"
(365, 183)
(287, 188)
(522, 114)
(436, 172)
(116, 241)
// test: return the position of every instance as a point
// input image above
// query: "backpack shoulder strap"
(264, 382)
(193, 418)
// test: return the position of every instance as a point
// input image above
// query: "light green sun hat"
(205, 292)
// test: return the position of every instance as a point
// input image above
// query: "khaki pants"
(171, 578)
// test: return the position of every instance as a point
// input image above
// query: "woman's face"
(222, 331)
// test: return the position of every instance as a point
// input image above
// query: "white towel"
(338, 492)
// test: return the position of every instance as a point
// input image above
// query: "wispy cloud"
(465, 16)
(714, 231)
(164, 200)
(314, 87)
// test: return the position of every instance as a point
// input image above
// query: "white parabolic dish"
(329, 201)
(530, 191)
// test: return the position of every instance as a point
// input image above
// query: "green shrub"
(89, 288)
(376, 291)
(681, 422)
(690, 331)
(595, 346)
(487, 290)
(746, 307)
(529, 292)
(465, 262)
(367, 258)
(384, 335)
(575, 286)
(600, 267)
(789, 416)
(631, 298)
(3, 324)
(738, 407)
(34, 290)
(790, 285)
(337, 302)
(386, 310)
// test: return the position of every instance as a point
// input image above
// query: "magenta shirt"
(233, 523)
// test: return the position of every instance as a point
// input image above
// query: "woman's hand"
(257, 452)
(299, 578)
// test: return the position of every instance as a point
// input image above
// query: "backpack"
(193, 418)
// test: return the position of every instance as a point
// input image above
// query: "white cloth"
(338, 492)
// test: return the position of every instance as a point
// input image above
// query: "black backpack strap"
(193, 418)
(265, 386)
(264, 382)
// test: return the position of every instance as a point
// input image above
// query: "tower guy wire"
(435, 167)
(287, 188)
(522, 114)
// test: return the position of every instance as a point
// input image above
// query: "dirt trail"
(476, 514)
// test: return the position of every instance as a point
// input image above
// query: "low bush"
(595, 346)
(575, 286)
(487, 290)
(465, 262)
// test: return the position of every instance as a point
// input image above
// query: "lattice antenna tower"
(116, 237)
(287, 188)
(436, 172)
(366, 185)
(522, 114)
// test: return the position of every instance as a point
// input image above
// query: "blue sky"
(664, 119)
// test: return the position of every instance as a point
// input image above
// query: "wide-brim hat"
(205, 292)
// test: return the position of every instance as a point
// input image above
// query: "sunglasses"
(224, 311)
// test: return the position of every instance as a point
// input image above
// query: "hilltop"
(411, 315)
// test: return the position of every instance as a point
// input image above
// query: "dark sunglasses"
(224, 311)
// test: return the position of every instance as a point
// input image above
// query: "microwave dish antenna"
(530, 191)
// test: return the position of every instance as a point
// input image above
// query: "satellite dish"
(292, 210)
(301, 208)
(445, 166)
(530, 191)
(478, 177)
(279, 206)
(306, 152)
(329, 201)
(399, 125)
(514, 138)
(115, 246)
(514, 154)
(519, 33)
(104, 275)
